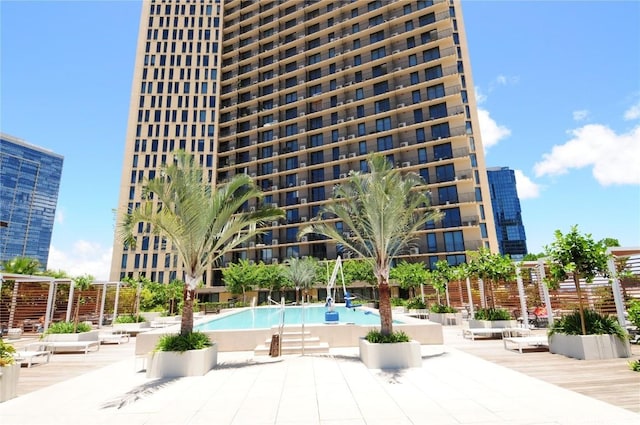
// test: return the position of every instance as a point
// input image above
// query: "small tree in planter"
(382, 211)
(81, 283)
(491, 268)
(579, 256)
(9, 372)
(201, 221)
(409, 276)
(301, 273)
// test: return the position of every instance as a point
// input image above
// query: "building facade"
(297, 94)
(29, 184)
(507, 213)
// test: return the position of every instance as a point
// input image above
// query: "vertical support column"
(70, 301)
(115, 304)
(14, 304)
(471, 311)
(102, 303)
(50, 301)
(545, 292)
(523, 298)
(617, 290)
(483, 302)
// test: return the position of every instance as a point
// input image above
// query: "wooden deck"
(608, 380)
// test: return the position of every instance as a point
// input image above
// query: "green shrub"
(6, 354)
(595, 324)
(634, 365)
(492, 314)
(129, 318)
(67, 328)
(634, 312)
(375, 337)
(416, 303)
(440, 308)
(191, 341)
(397, 302)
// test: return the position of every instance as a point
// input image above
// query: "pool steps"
(292, 340)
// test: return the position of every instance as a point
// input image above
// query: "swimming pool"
(267, 317)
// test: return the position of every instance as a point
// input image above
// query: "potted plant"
(444, 314)
(492, 318)
(395, 351)
(202, 221)
(579, 256)
(604, 337)
(182, 355)
(9, 372)
(381, 211)
(70, 331)
(131, 323)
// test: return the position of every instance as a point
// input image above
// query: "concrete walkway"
(451, 387)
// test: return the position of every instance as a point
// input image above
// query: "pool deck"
(460, 382)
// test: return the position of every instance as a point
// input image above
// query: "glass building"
(507, 213)
(296, 94)
(29, 183)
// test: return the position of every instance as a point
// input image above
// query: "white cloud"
(526, 188)
(84, 258)
(613, 157)
(580, 115)
(633, 112)
(480, 97)
(59, 215)
(490, 130)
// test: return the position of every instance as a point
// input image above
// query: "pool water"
(267, 317)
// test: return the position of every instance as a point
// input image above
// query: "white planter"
(173, 364)
(82, 336)
(493, 323)
(398, 355)
(446, 318)
(9, 381)
(589, 347)
(150, 316)
(132, 327)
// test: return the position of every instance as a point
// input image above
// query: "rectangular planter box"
(82, 336)
(493, 323)
(9, 381)
(589, 347)
(446, 318)
(173, 364)
(399, 355)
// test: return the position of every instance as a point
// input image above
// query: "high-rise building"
(296, 94)
(507, 213)
(29, 183)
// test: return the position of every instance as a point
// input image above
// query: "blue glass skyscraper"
(29, 183)
(507, 213)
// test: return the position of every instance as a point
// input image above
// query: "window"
(415, 79)
(289, 98)
(359, 94)
(382, 106)
(438, 111)
(385, 143)
(432, 244)
(314, 74)
(439, 131)
(427, 19)
(453, 241)
(362, 148)
(435, 92)
(378, 53)
(417, 115)
(415, 96)
(411, 43)
(413, 60)
(376, 20)
(380, 88)
(376, 36)
(448, 194)
(422, 156)
(433, 72)
(431, 54)
(445, 173)
(315, 123)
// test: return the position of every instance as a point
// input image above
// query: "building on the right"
(507, 213)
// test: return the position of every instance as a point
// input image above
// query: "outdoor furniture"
(113, 337)
(59, 346)
(14, 333)
(524, 341)
(28, 356)
(494, 332)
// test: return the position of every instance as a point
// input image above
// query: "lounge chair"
(28, 356)
(115, 337)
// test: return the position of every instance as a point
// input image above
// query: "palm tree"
(21, 265)
(201, 222)
(301, 273)
(382, 210)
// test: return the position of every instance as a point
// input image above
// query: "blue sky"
(558, 85)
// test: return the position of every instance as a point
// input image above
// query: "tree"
(21, 265)
(240, 277)
(440, 277)
(301, 272)
(409, 275)
(81, 283)
(381, 210)
(491, 268)
(270, 276)
(201, 222)
(579, 256)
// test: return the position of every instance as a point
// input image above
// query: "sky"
(557, 84)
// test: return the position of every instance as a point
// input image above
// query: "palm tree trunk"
(186, 325)
(576, 280)
(386, 327)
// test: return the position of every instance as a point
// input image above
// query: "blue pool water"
(267, 317)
